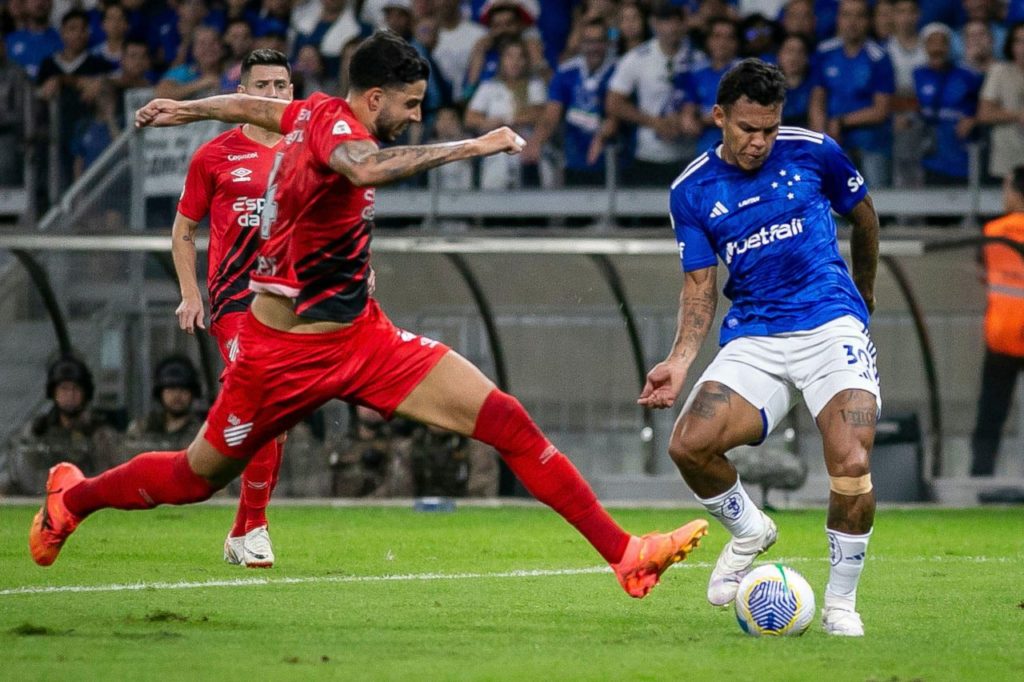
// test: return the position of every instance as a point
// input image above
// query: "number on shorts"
(865, 358)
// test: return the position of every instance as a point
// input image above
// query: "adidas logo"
(719, 210)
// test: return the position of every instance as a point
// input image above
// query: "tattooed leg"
(847, 426)
(718, 420)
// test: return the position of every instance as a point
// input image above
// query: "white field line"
(410, 577)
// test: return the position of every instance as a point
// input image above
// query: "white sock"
(736, 511)
(846, 554)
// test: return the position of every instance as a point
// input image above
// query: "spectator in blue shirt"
(94, 132)
(171, 31)
(852, 93)
(722, 46)
(203, 75)
(505, 20)
(948, 100)
(576, 96)
(794, 60)
(979, 10)
(797, 19)
(37, 41)
(115, 31)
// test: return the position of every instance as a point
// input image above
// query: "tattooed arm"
(365, 164)
(183, 251)
(697, 304)
(864, 248)
(237, 108)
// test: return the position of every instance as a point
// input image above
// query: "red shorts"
(225, 331)
(277, 378)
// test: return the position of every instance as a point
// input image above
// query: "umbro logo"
(719, 210)
(241, 175)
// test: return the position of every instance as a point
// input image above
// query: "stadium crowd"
(904, 86)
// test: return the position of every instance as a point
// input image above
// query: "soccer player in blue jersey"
(762, 202)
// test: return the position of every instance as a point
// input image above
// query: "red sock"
(142, 482)
(547, 473)
(258, 482)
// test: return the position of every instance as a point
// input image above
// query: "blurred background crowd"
(905, 86)
(364, 455)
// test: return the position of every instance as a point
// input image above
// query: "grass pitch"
(493, 594)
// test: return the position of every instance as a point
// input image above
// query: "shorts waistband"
(292, 337)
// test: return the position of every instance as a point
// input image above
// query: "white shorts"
(770, 371)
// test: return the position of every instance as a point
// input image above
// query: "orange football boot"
(648, 556)
(53, 523)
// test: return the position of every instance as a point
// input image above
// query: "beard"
(389, 129)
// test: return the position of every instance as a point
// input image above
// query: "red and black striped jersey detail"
(227, 181)
(317, 228)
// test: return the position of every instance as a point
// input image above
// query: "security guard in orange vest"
(1004, 327)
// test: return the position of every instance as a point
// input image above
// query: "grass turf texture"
(941, 599)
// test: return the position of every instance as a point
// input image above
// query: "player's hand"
(371, 282)
(190, 315)
(663, 385)
(160, 113)
(502, 139)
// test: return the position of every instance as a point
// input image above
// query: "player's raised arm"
(236, 108)
(698, 301)
(864, 248)
(366, 164)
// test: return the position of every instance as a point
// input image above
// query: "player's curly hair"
(754, 79)
(386, 60)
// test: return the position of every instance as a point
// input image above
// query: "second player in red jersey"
(227, 181)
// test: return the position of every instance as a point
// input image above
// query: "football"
(774, 600)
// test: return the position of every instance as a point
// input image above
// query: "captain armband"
(850, 485)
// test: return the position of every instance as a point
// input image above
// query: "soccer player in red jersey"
(227, 180)
(313, 333)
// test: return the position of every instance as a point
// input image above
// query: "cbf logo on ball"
(733, 506)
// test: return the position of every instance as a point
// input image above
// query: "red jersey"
(316, 229)
(227, 180)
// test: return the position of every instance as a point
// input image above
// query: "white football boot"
(841, 622)
(233, 549)
(256, 549)
(735, 562)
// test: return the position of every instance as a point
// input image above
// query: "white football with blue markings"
(775, 601)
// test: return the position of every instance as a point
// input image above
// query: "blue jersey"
(30, 48)
(851, 83)
(947, 97)
(774, 231)
(581, 95)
